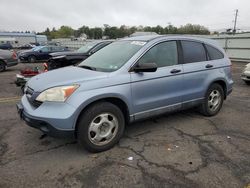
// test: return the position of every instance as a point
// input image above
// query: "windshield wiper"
(88, 67)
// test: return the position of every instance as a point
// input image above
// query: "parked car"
(7, 59)
(6, 46)
(128, 80)
(63, 59)
(39, 53)
(27, 73)
(246, 74)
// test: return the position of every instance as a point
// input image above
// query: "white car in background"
(246, 74)
(7, 59)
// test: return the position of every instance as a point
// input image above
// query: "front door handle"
(174, 71)
(209, 66)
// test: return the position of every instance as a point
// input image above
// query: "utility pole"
(235, 21)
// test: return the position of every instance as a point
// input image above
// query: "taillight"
(45, 67)
(14, 56)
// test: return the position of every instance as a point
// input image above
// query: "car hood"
(68, 53)
(63, 76)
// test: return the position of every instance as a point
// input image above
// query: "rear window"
(213, 53)
(193, 52)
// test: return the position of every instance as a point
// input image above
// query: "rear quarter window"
(213, 53)
(193, 51)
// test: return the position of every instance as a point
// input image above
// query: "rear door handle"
(209, 66)
(174, 71)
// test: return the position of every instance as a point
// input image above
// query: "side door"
(157, 92)
(44, 53)
(197, 69)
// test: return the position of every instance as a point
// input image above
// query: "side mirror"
(40, 51)
(145, 67)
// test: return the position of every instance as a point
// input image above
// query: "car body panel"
(246, 73)
(23, 56)
(8, 58)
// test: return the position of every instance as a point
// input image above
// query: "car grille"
(31, 96)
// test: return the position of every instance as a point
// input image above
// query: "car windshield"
(37, 48)
(113, 56)
(86, 47)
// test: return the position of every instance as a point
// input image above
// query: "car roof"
(148, 38)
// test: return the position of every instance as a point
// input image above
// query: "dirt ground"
(184, 149)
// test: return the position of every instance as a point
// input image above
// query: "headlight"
(57, 94)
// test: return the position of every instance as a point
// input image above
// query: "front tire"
(213, 100)
(100, 127)
(32, 59)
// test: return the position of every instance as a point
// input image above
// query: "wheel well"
(223, 85)
(116, 101)
(2, 61)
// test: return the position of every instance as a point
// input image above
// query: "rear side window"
(163, 54)
(193, 51)
(213, 53)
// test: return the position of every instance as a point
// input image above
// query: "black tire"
(247, 82)
(86, 137)
(2, 66)
(32, 59)
(210, 110)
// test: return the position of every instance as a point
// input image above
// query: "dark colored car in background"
(7, 59)
(63, 59)
(39, 53)
(6, 46)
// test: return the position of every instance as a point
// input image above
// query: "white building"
(19, 39)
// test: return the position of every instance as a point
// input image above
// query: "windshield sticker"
(139, 43)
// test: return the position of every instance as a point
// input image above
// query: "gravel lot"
(183, 149)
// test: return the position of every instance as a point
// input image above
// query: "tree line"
(113, 32)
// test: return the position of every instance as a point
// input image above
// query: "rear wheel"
(32, 59)
(247, 82)
(213, 100)
(2, 66)
(100, 127)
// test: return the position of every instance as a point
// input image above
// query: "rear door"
(197, 69)
(161, 91)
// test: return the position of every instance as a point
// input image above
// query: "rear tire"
(213, 100)
(2, 66)
(32, 59)
(100, 127)
(247, 82)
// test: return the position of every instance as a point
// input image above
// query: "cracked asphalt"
(183, 149)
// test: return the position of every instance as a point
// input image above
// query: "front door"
(157, 92)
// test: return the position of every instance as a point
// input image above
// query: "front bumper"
(51, 125)
(21, 80)
(245, 77)
(22, 59)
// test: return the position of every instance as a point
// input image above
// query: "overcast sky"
(37, 15)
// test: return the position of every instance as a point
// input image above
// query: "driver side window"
(163, 54)
(45, 49)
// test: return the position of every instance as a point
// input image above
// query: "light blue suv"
(129, 80)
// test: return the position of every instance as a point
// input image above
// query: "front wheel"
(213, 100)
(100, 127)
(32, 59)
